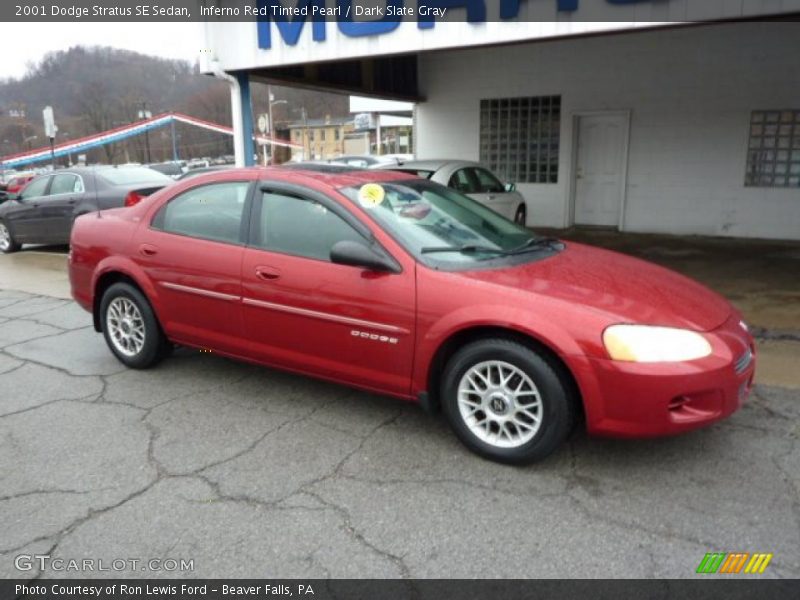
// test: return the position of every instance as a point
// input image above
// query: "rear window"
(133, 175)
(167, 168)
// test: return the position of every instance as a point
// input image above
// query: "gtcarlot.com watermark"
(44, 562)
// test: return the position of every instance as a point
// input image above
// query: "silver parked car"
(472, 179)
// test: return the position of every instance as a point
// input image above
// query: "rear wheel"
(506, 402)
(521, 216)
(130, 327)
(7, 242)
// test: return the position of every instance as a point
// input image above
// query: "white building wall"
(690, 92)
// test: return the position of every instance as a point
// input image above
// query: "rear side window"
(301, 227)
(212, 212)
(35, 188)
(66, 184)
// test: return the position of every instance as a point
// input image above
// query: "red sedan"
(16, 184)
(402, 286)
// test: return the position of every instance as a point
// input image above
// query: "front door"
(600, 169)
(25, 215)
(305, 313)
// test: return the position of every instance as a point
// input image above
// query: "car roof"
(335, 179)
(431, 164)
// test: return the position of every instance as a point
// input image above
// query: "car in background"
(201, 170)
(44, 210)
(472, 179)
(402, 286)
(319, 166)
(19, 181)
(198, 163)
(370, 161)
(171, 168)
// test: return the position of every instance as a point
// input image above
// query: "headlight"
(648, 344)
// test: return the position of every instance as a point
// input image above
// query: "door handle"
(148, 250)
(268, 273)
(490, 197)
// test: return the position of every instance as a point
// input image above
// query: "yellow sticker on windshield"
(371, 195)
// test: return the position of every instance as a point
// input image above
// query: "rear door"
(192, 251)
(25, 215)
(303, 312)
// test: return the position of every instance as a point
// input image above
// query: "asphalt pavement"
(243, 471)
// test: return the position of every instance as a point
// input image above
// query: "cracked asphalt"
(252, 472)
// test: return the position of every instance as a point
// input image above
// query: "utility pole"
(174, 141)
(50, 131)
(146, 114)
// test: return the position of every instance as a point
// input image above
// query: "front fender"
(512, 318)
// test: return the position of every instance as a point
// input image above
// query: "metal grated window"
(773, 154)
(520, 137)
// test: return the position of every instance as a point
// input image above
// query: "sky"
(26, 42)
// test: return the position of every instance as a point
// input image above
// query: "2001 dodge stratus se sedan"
(402, 286)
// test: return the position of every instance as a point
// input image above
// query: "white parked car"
(472, 179)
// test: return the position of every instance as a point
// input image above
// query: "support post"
(246, 119)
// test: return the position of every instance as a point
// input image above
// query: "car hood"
(626, 289)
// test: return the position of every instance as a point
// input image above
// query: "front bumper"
(644, 400)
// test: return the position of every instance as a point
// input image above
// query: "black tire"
(558, 410)
(10, 245)
(156, 346)
(521, 216)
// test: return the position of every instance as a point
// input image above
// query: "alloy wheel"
(125, 326)
(500, 404)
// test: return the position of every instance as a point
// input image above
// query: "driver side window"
(489, 184)
(301, 227)
(462, 181)
(35, 188)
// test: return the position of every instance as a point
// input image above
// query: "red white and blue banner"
(126, 131)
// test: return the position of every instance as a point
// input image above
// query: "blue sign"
(289, 20)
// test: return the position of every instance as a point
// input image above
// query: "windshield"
(129, 175)
(438, 225)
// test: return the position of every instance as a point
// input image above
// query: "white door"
(600, 169)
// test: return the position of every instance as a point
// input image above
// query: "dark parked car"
(44, 210)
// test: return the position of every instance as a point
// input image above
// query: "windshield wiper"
(535, 243)
(469, 249)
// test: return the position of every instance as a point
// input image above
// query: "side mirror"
(356, 254)
(511, 187)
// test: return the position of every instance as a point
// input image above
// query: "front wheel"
(7, 242)
(507, 402)
(130, 327)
